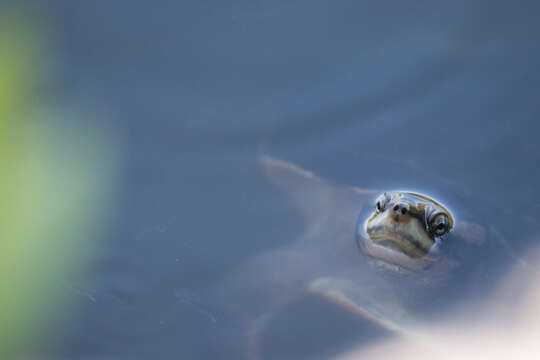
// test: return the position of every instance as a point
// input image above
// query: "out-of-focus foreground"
(56, 170)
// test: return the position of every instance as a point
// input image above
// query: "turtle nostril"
(401, 209)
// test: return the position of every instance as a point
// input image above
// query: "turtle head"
(406, 223)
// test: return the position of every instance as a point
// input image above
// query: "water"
(377, 95)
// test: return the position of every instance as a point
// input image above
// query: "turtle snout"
(400, 208)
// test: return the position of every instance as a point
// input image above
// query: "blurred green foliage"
(55, 177)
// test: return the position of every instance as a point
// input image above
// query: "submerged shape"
(393, 269)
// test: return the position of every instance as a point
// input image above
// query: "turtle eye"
(379, 206)
(440, 225)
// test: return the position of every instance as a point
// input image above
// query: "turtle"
(389, 257)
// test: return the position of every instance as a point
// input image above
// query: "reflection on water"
(440, 100)
(503, 326)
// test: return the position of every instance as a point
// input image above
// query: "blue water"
(384, 95)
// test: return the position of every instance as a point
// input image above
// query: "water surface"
(379, 95)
